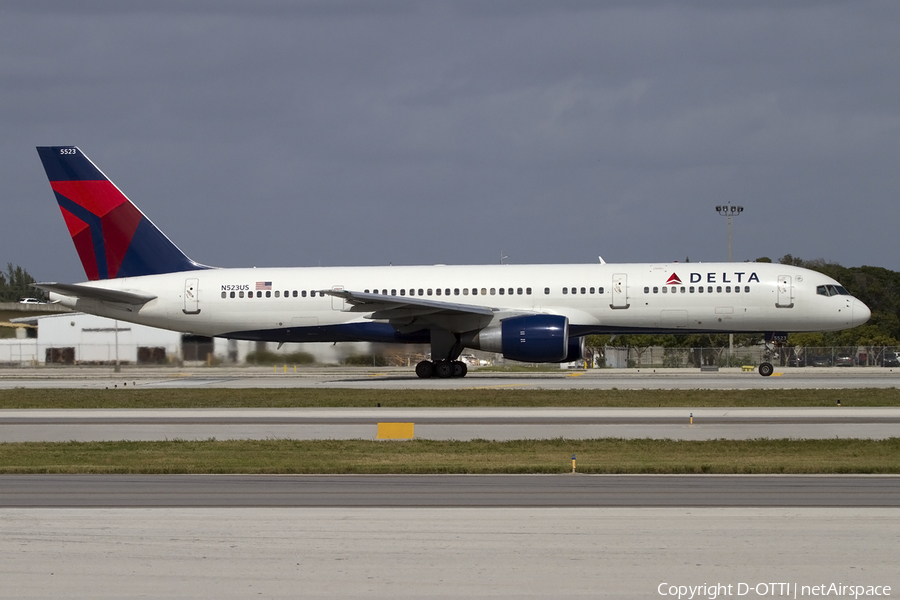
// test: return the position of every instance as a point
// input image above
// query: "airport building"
(82, 339)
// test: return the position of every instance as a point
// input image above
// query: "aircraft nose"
(860, 314)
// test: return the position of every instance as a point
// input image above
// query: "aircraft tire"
(766, 369)
(443, 369)
(459, 368)
(425, 369)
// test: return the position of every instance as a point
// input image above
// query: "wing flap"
(386, 306)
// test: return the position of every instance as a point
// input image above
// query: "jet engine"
(530, 338)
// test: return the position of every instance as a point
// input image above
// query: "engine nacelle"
(576, 349)
(528, 338)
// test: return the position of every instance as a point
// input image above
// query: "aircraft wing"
(393, 307)
(76, 290)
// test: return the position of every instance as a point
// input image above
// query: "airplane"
(531, 313)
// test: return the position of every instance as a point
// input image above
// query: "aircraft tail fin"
(112, 236)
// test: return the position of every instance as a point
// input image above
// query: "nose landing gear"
(773, 341)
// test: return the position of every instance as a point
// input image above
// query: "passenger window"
(646, 290)
(583, 291)
(295, 293)
(493, 291)
(429, 291)
(565, 290)
(682, 289)
(402, 292)
(746, 289)
(727, 289)
(700, 290)
(655, 290)
(665, 290)
(527, 291)
(519, 291)
(592, 290)
(303, 293)
(502, 291)
(691, 289)
(719, 289)
(420, 292)
(483, 291)
(277, 294)
(438, 291)
(465, 291)
(393, 292)
(547, 291)
(240, 294)
(600, 290)
(509, 291)
(456, 291)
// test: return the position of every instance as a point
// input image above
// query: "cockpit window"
(831, 290)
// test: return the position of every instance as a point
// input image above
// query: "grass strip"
(762, 456)
(483, 397)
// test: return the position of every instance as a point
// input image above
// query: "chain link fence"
(27, 353)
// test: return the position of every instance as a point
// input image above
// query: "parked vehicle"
(844, 360)
(820, 361)
(890, 359)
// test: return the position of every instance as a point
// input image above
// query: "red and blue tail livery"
(112, 236)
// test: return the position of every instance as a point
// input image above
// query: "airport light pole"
(728, 211)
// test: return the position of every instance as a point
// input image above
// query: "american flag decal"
(264, 285)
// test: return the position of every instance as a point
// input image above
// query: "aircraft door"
(337, 303)
(620, 291)
(785, 292)
(192, 296)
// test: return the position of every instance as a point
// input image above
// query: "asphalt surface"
(447, 491)
(50, 425)
(404, 378)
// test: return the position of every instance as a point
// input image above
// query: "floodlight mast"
(729, 211)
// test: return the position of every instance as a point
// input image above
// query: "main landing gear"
(444, 369)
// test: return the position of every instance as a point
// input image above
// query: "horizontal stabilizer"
(75, 290)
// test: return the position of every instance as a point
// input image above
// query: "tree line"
(15, 284)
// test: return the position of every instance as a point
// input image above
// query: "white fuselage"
(283, 304)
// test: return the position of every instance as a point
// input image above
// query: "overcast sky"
(272, 133)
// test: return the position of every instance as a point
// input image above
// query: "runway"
(569, 536)
(48, 425)
(410, 491)
(404, 378)
(497, 553)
